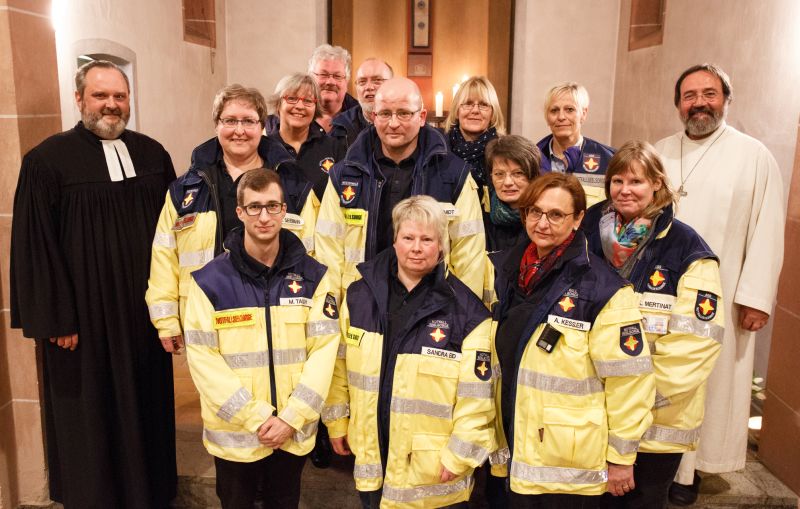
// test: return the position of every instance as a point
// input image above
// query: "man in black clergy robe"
(85, 212)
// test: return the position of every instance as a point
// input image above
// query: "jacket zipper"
(218, 245)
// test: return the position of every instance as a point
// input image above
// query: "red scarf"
(532, 268)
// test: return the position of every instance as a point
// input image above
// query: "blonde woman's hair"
(426, 211)
(482, 88)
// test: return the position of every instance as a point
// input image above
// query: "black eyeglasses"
(272, 208)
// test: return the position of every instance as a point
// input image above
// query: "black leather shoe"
(321, 454)
(683, 494)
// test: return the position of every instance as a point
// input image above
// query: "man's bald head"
(397, 89)
(398, 117)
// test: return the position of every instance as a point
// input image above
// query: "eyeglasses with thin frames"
(248, 124)
(516, 176)
(554, 217)
(329, 76)
(254, 209)
(402, 115)
(482, 106)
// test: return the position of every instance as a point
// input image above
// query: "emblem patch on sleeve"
(483, 365)
(591, 162)
(657, 280)
(188, 198)
(350, 190)
(326, 164)
(330, 310)
(630, 339)
(705, 308)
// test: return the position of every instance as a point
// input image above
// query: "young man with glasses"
(369, 77)
(262, 333)
(396, 158)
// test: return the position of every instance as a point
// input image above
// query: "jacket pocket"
(437, 380)
(425, 461)
(573, 437)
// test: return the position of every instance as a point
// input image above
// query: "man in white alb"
(730, 190)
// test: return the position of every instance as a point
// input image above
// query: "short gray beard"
(700, 127)
(95, 123)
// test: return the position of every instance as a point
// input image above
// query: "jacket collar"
(290, 252)
(430, 143)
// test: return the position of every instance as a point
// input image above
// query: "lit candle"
(439, 104)
(455, 89)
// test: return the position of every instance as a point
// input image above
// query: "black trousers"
(652, 474)
(279, 474)
(553, 501)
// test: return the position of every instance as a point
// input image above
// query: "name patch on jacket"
(442, 354)
(569, 323)
(184, 222)
(449, 209)
(236, 318)
(292, 221)
(483, 365)
(630, 339)
(354, 335)
(355, 217)
(657, 302)
(705, 307)
(295, 301)
(350, 191)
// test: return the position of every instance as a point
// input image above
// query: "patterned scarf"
(621, 240)
(500, 213)
(532, 268)
(472, 152)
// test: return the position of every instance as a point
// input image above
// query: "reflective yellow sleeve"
(472, 438)
(329, 238)
(220, 389)
(685, 356)
(468, 239)
(309, 216)
(322, 340)
(618, 349)
(498, 459)
(336, 413)
(163, 287)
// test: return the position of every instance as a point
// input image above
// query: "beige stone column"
(29, 112)
(779, 443)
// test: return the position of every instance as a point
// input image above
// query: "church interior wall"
(559, 41)
(759, 49)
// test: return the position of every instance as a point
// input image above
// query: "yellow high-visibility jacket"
(260, 344)
(436, 386)
(347, 224)
(189, 234)
(587, 402)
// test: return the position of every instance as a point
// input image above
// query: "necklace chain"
(681, 191)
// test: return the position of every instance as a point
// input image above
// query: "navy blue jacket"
(670, 254)
(347, 125)
(437, 173)
(591, 159)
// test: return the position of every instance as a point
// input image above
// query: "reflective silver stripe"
(474, 390)
(421, 407)
(334, 412)
(692, 325)
(623, 446)
(309, 396)
(308, 242)
(624, 367)
(367, 471)
(674, 435)
(306, 432)
(500, 456)
(231, 438)
(467, 450)
(661, 401)
(363, 382)
(167, 240)
(465, 228)
(163, 310)
(353, 255)
(557, 474)
(200, 338)
(246, 360)
(341, 353)
(194, 258)
(235, 403)
(289, 356)
(550, 383)
(330, 228)
(496, 373)
(420, 492)
(320, 327)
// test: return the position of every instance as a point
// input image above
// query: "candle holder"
(434, 121)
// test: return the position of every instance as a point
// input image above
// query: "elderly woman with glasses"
(474, 120)
(512, 162)
(677, 278)
(296, 101)
(200, 206)
(566, 106)
(576, 382)
(411, 395)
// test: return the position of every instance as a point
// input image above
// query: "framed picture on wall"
(420, 23)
